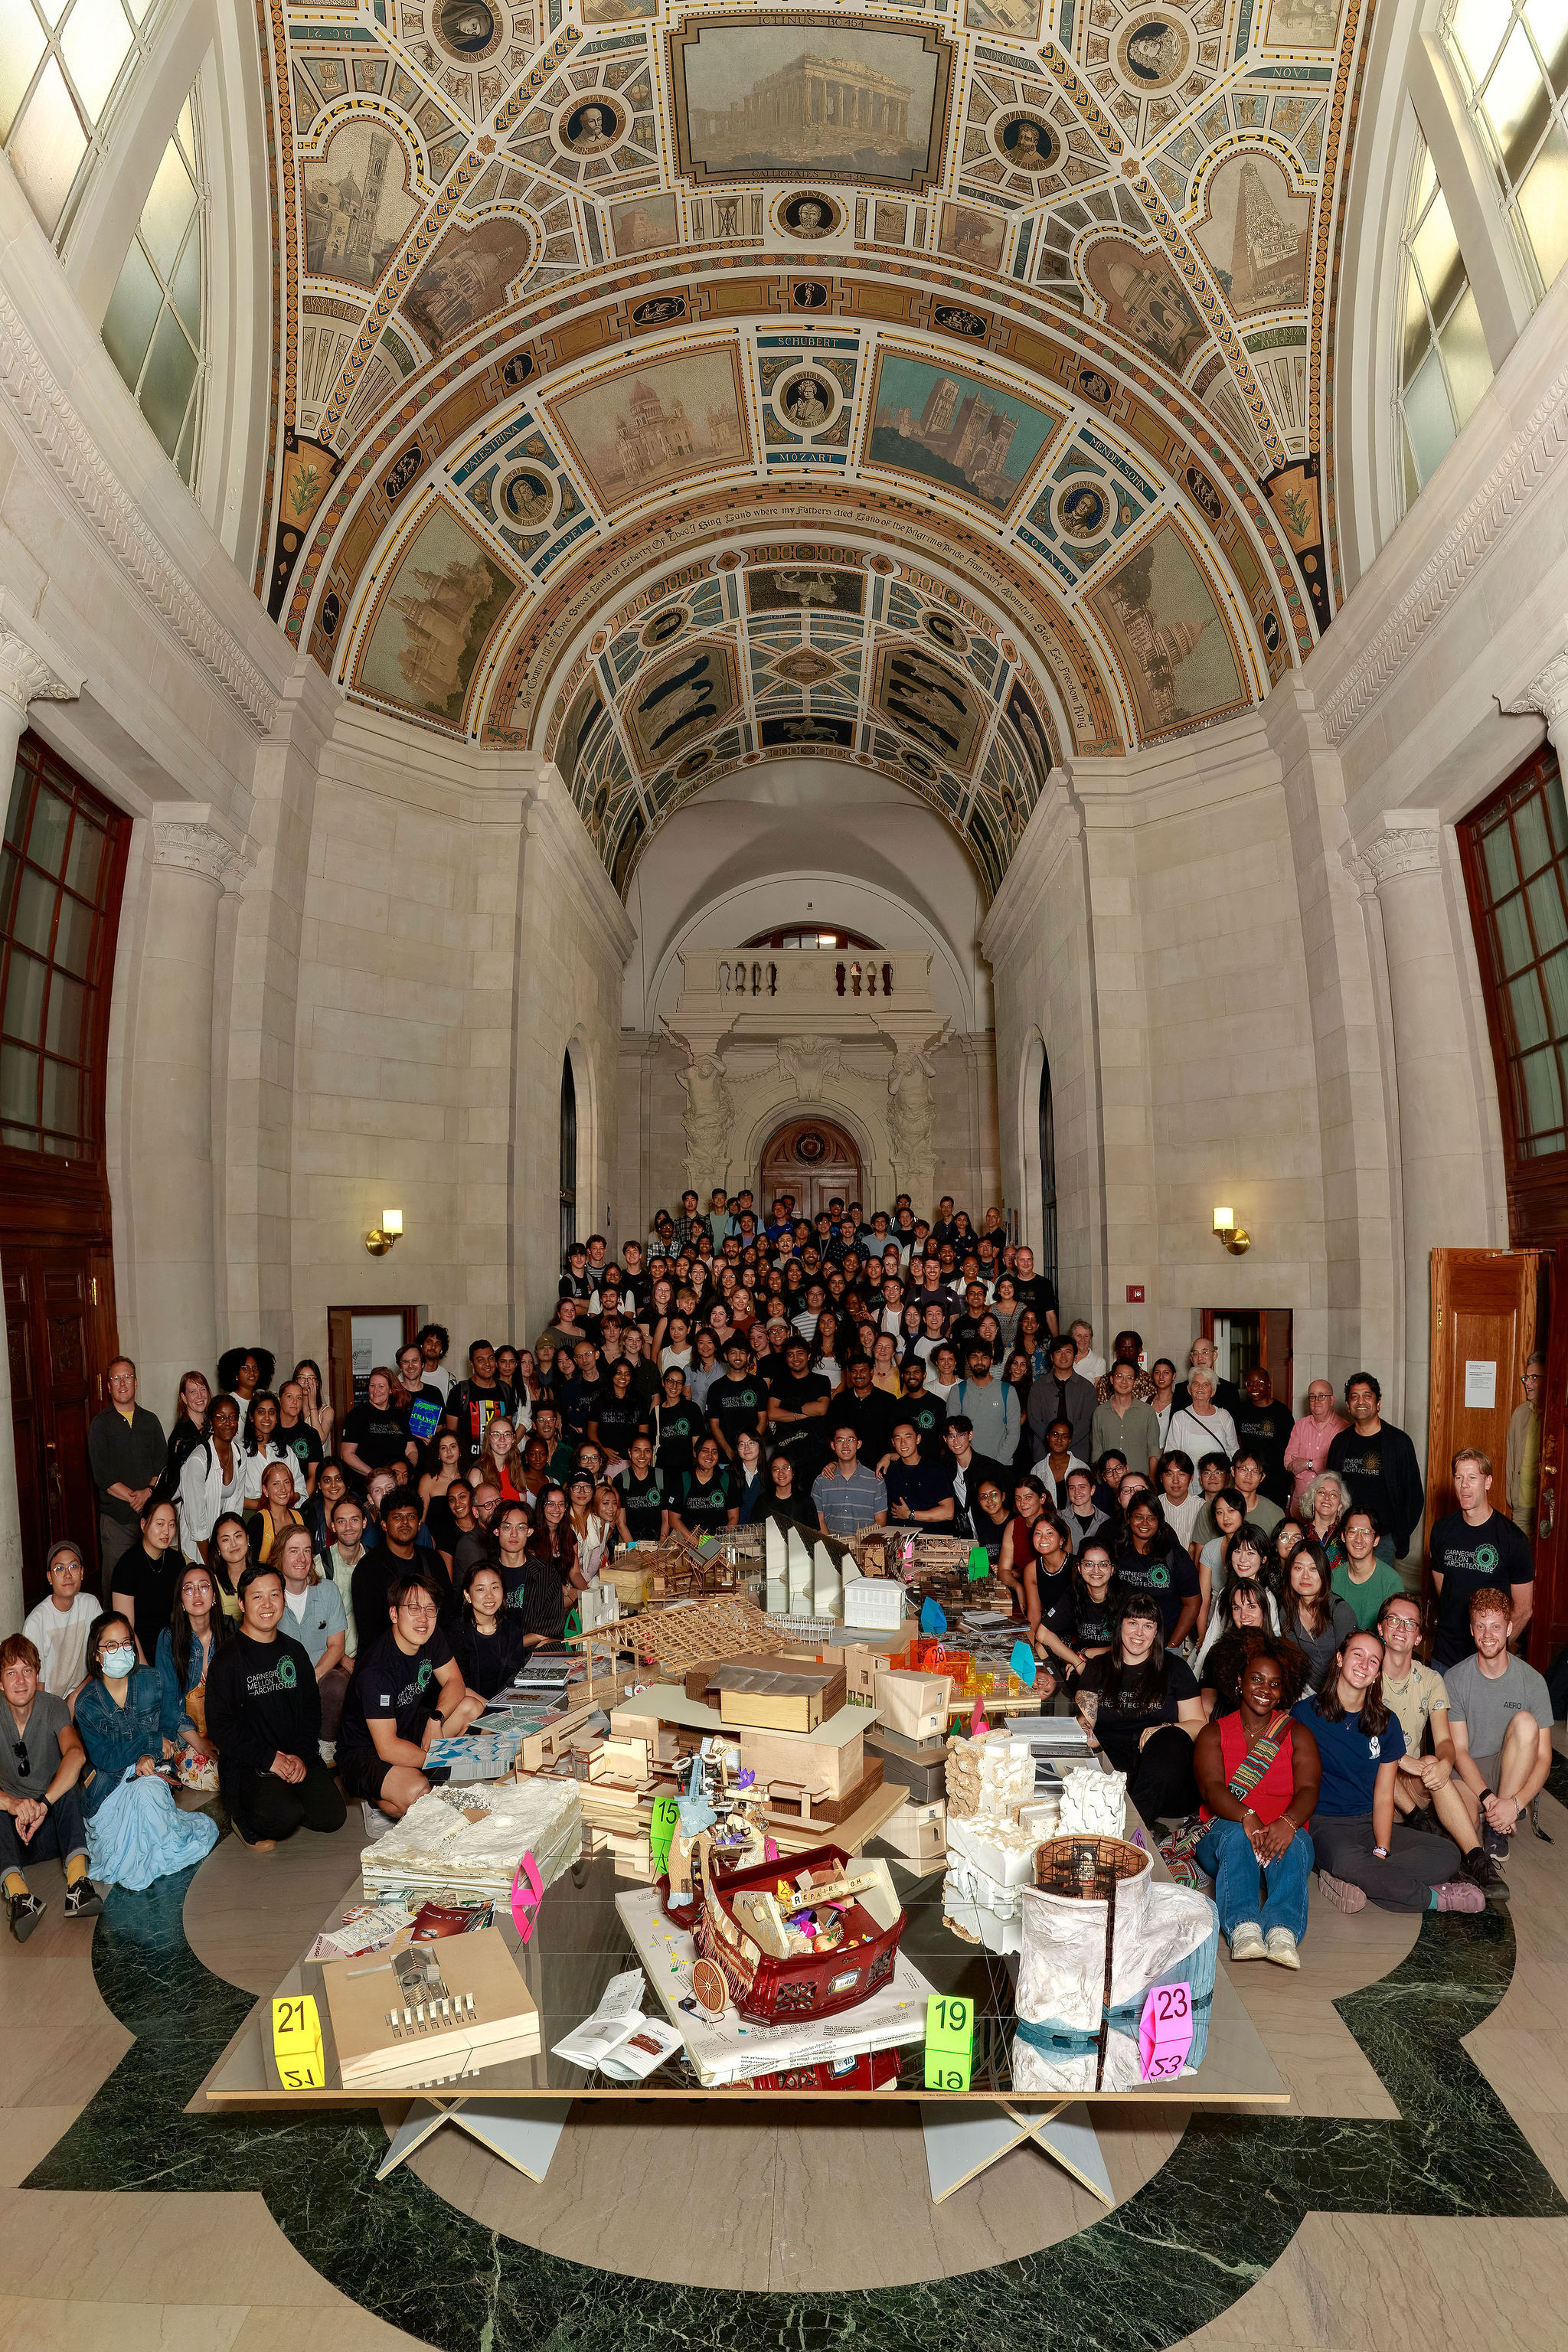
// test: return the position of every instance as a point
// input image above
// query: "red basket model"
(733, 1924)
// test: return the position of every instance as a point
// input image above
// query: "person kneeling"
(407, 1691)
(1258, 1772)
(264, 1712)
(41, 1761)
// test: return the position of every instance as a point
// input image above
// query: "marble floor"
(1417, 2190)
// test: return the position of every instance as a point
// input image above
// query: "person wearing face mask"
(135, 1833)
(41, 1762)
(264, 1710)
(1361, 1852)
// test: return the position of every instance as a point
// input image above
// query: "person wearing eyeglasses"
(41, 1760)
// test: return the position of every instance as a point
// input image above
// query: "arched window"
(820, 936)
(1047, 1112)
(155, 328)
(568, 1158)
(1442, 366)
(1513, 67)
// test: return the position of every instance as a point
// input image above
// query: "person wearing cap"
(738, 1401)
(58, 1627)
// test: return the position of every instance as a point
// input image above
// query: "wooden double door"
(815, 1161)
(60, 1333)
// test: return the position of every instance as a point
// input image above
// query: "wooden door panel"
(1549, 1625)
(25, 1414)
(1484, 1314)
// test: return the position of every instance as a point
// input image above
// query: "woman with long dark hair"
(263, 1445)
(1147, 1713)
(536, 1583)
(1099, 1597)
(1312, 1614)
(1259, 1773)
(1363, 1853)
(197, 1628)
(190, 1425)
(489, 1640)
(550, 1537)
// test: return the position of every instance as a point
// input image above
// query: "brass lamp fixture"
(1230, 1234)
(380, 1238)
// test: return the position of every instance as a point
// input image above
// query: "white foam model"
(875, 1604)
(799, 1577)
(826, 1584)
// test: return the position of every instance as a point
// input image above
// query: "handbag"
(1179, 1850)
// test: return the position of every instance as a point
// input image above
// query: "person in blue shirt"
(1361, 1854)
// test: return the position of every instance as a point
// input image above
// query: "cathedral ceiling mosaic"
(670, 387)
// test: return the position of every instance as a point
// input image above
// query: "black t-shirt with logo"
(263, 1697)
(928, 1415)
(1469, 1559)
(471, 1408)
(705, 1506)
(872, 1417)
(377, 1434)
(679, 1427)
(643, 1501)
(1265, 1430)
(734, 1405)
(389, 1684)
(1121, 1721)
(302, 1443)
(618, 1419)
(1171, 1577)
(1058, 1602)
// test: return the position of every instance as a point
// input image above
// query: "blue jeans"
(1227, 1854)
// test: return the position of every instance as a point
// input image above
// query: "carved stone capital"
(1392, 851)
(26, 676)
(1547, 694)
(191, 847)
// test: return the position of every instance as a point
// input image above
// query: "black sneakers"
(25, 1912)
(83, 1900)
(1482, 1871)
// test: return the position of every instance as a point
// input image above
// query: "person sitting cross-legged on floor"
(1361, 1853)
(1499, 1712)
(41, 1760)
(407, 1691)
(1427, 1793)
(1258, 1772)
(264, 1712)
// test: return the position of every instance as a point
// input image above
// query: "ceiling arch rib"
(1017, 305)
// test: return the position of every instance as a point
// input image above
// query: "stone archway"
(813, 1159)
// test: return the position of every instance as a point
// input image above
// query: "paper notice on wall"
(1481, 1385)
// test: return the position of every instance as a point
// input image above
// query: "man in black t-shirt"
(867, 1410)
(642, 1493)
(474, 1403)
(919, 1492)
(398, 1552)
(1035, 1290)
(798, 1400)
(928, 1413)
(679, 1426)
(407, 1691)
(1377, 1465)
(264, 1716)
(1472, 1547)
(739, 1401)
(1264, 1428)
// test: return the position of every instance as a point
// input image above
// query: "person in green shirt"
(1361, 1579)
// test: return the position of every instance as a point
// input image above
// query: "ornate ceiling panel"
(615, 318)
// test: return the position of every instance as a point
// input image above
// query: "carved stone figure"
(710, 1112)
(812, 1061)
(909, 1097)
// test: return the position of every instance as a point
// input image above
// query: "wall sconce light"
(1231, 1237)
(380, 1238)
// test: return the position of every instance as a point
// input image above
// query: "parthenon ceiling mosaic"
(669, 387)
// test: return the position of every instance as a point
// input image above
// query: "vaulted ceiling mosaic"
(670, 387)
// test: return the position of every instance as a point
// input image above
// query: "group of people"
(294, 1612)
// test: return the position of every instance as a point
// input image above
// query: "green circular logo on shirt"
(425, 1671)
(1158, 1575)
(285, 1675)
(1485, 1557)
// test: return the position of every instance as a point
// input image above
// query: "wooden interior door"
(344, 1389)
(1549, 1620)
(1258, 1336)
(1486, 1311)
(815, 1161)
(59, 1331)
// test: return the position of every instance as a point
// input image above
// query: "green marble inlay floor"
(1176, 2255)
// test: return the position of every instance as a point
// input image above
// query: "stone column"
(1442, 1172)
(171, 1160)
(26, 676)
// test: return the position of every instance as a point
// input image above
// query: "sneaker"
(25, 1912)
(1246, 1940)
(1341, 1893)
(1420, 1817)
(1458, 1895)
(83, 1900)
(1494, 1842)
(1480, 1870)
(1280, 1945)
